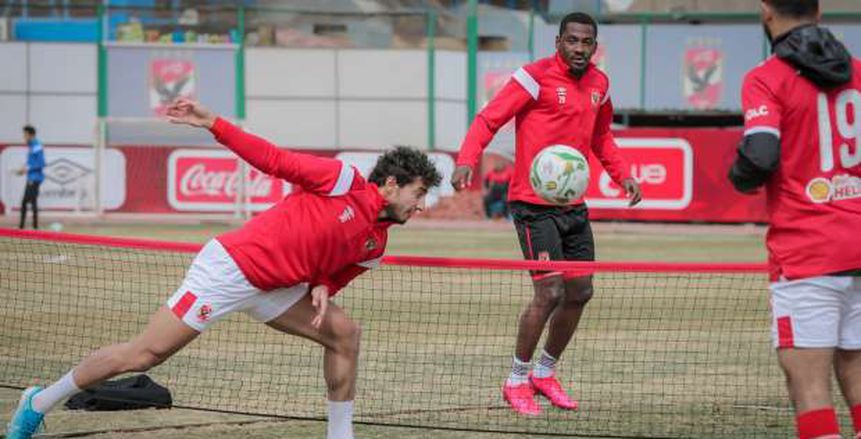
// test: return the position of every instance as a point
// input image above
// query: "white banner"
(69, 179)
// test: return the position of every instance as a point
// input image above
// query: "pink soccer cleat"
(552, 390)
(521, 398)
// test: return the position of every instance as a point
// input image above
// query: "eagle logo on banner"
(170, 79)
(703, 77)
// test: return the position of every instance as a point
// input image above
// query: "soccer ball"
(559, 174)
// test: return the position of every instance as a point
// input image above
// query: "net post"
(239, 63)
(431, 52)
(98, 168)
(102, 128)
(471, 60)
(243, 198)
(531, 29)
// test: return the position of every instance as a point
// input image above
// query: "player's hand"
(21, 171)
(320, 300)
(185, 111)
(461, 178)
(632, 188)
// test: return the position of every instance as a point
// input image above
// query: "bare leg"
(339, 336)
(847, 364)
(567, 315)
(808, 377)
(533, 319)
(164, 335)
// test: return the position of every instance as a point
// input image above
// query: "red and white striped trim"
(527, 82)
(762, 129)
(785, 337)
(184, 304)
(345, 180)
(606, 96)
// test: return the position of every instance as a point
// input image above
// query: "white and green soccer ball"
(559, 174)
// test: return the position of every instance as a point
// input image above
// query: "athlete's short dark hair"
(29, 129)
(578, 17)
(795, 8)
(405, 164)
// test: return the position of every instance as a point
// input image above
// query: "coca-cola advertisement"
(209, 181)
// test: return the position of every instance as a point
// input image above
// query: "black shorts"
(553, 233)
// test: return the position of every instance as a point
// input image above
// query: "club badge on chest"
(370, 244)
(596, 98)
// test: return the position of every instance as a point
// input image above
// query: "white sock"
(519, 372)
(340, 420)
(545, 367)
(45, 400)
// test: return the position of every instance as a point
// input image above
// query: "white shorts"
(817, 312)
(215, 287)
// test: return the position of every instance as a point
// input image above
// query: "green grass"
(655, 354)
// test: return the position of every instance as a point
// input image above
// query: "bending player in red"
(802, 110)
(281, 267)
(563, 99)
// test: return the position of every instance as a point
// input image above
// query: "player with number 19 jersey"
(814, 196)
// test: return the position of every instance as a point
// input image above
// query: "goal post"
(141, 69)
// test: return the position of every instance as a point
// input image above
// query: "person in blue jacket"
(35, 176)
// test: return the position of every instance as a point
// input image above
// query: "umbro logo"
(561, 94)
(346, 215)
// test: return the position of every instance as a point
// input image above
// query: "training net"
(662, 350)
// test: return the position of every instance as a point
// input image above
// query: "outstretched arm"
(257, 151)
(312, 173)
